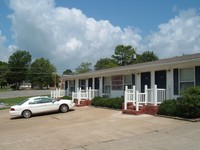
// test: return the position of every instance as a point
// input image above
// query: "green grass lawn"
(4, 89)
(13, 101)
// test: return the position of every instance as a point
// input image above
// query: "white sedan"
(40, 104)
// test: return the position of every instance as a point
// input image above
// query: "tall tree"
(105, 63)
(68, 72)
(84, 67)
(3, 71)
(18, 65)
(124, 55)
(147, 56)
(42, 73)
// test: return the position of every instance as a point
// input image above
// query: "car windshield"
(22, 102)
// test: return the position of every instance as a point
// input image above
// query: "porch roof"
(162, 64)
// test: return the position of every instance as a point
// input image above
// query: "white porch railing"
(58, 93)
(87, 94)
(129, 96)
(153, 96)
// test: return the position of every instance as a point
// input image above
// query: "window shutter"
(197, 75)
(176, 80)
(133, 79)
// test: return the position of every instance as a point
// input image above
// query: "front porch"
(146, 102)
(134, 102)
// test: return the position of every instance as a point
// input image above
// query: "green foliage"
(41, 73)
(68, 72)
(3, 71)
(115, 103)
(146, 57)
(124, 55)
(105, 63)
(13, 101)
(18, 65)
(84, 67)
(66, 97)
(188, 106)
(168, 107)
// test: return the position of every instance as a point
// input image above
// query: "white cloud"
(66, 36)
(177, 37)
(5, 52)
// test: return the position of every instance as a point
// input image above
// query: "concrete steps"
(145, 109)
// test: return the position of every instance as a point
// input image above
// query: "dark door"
(145, 80)
(97, 83)
(90, 83)
(160, 79)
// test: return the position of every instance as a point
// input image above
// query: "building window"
(83, 84)
(71, 86)
(128, 81)
(107, 83)
(117, 82)
(186, 78)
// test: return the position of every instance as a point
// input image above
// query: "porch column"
(100, 86)
(76, 85)
(152, 79)
(170, 87)
(93, 83)
(68, 87)
(138, 81)
(86, 84)
(93, 87)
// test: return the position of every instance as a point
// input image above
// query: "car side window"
(45, 100)
(35, 101)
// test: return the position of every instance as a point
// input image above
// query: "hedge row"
(108, 102)
(188, 106)
(66, 97)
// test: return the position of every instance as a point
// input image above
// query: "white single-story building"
(172, 74)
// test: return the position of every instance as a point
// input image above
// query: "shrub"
(108, 102)
(189, 104)
(168, 107)
(66, 97)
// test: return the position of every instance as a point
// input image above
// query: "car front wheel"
(26, 114)
(63, 108)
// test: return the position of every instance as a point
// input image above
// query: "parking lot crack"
(53, 117)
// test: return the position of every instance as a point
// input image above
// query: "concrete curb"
(179, 118)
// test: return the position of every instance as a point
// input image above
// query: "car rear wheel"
(63, 108)
(26, 113)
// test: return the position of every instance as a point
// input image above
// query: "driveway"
(96, 129)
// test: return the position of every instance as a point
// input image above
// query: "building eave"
(162, 64)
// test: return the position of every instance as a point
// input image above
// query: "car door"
(50, 104)
(37, 106)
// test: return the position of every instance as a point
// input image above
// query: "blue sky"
(65, 28)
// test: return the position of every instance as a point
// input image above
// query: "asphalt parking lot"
(89, 128)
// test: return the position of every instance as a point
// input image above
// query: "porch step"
(145, 109)
(82, 103)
